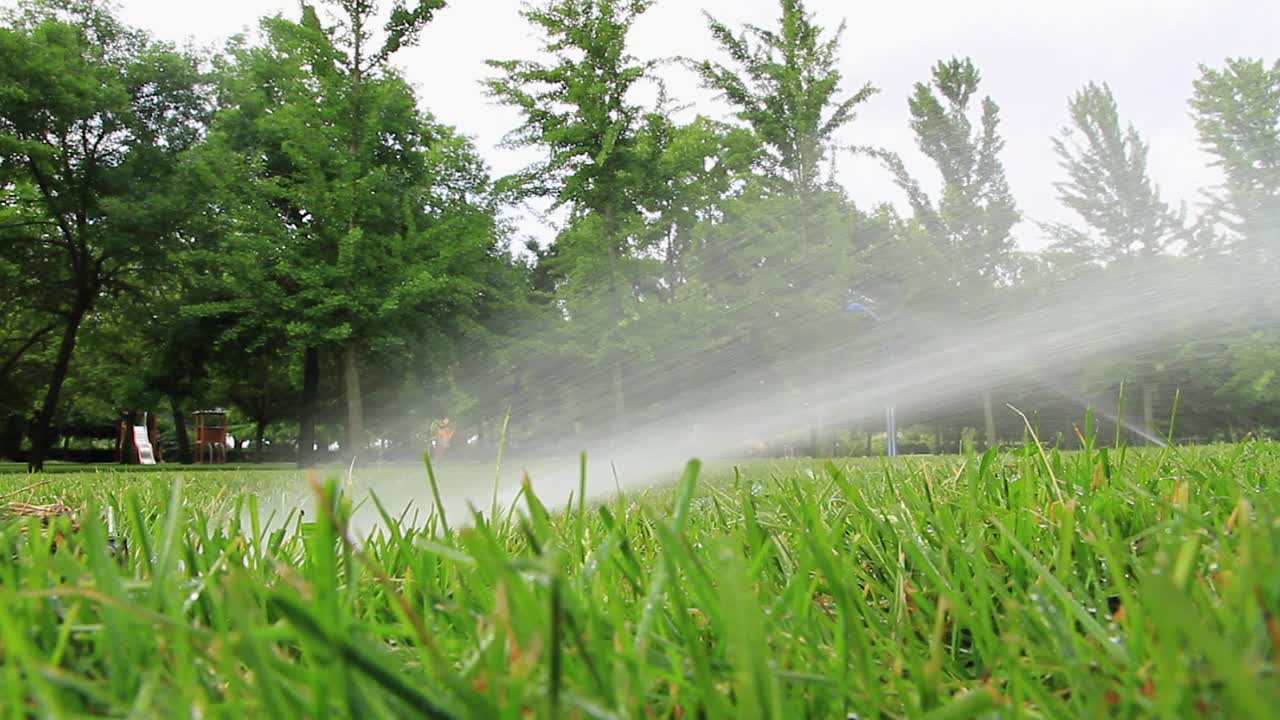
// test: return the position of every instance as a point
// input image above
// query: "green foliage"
(1108, 185)
(94, 120)
(1238, 116)
(336, 276)
(696, 170)
(577, 106)
(96, 116)
(403, 26)
(285, 230)
(971, 224)
(376, 219)
(786, 87)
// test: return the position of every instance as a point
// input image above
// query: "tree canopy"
(282, 227)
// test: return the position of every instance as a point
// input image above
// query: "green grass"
(1026, 584)
(85, 468)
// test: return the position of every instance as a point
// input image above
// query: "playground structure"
(211, 436)
(441, 437)
(137, 442)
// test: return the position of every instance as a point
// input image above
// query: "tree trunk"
(11, 437)
(617, 385)
(307, 419)
(1148, 410)
(989, 417)
(259, 433)
(40, 433)
(354, 441)
(619, 401)
(180, 427)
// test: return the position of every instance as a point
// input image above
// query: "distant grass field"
(79, 468)
(1026, 584)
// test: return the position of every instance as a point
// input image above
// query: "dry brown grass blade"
(44, 512)
(21, 490)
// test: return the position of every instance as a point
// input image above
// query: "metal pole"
(890, 414)
(891, 445)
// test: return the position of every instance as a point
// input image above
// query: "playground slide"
(140, 441)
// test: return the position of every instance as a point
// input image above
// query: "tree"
(179, 342)
(363, 59)
(972, 222)
(25, 322)
(1108, 185)
(259, 384)
(1238, 117)
(777, 263)
(94, 119)
(785, 88)
(1125, 219)
(693, 170)
(1237, 111)
(970, 226)
(577, 108)
(26, 329)
(420, 251)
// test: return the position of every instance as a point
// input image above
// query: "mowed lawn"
(1028, 583)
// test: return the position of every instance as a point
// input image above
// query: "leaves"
(1108, 185)
(785, 88)
(1238, 118)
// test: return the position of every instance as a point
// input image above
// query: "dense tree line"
(283, 229)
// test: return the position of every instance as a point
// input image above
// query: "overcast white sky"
(1033, 55)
